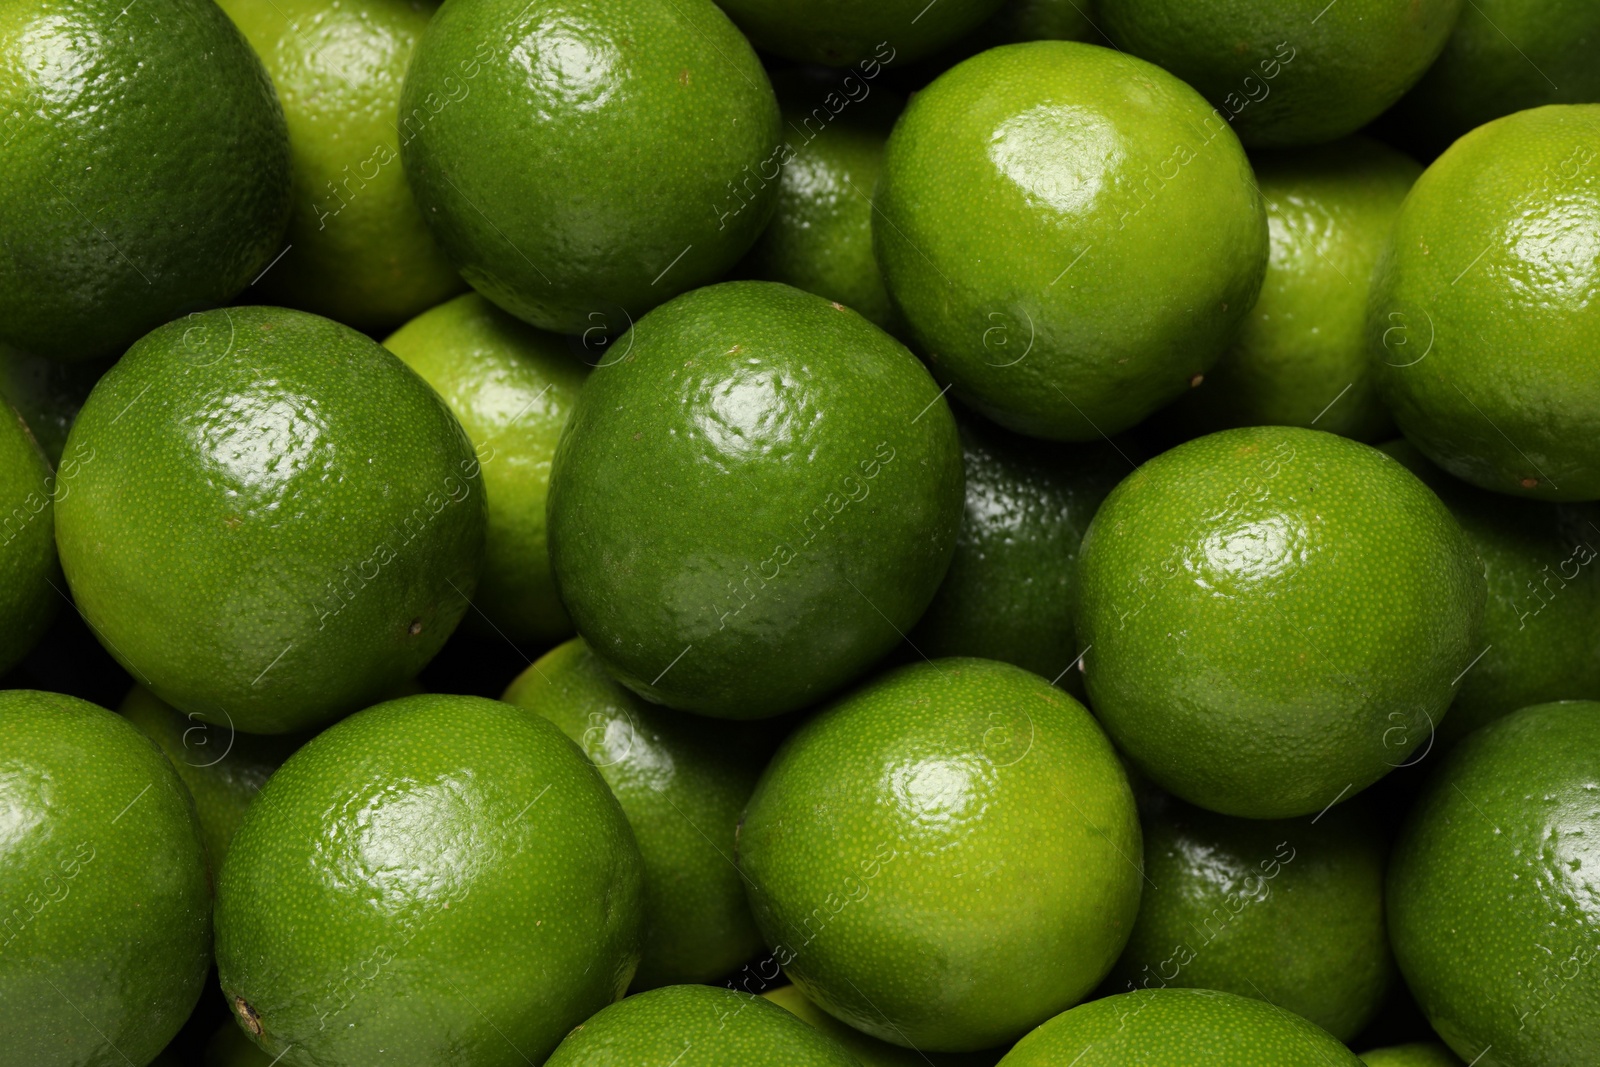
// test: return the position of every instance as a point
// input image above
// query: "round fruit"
(1540, 637)
(359, 251)
(47, 393)
(1191, 1027)
(147, 169)
(107, 933)
(1121, 240)
(697, 1026)
(1421, 1054)
(946, 856)
(222, 768)
(1493, 896)
(869, 1051)
(281, 523)
(682, 782)
(1275, 617)
(1294, 73)
(444, 875)
(1482, 323)
(1506, 56)
(29, 577)
(512, 387)
(837, 33)
(1289, 912)
(753, 501)
(581, 163)
(1009, 591)
(1301, 357)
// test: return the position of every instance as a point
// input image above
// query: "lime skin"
(1121, 241)
(1419, 1054)
(1541, 621)
(1288, 72)
(1287, 911)
(358, 249)
(1179, 1028)
(946, 856)
(122, 202)
(437, 879)
(30, 578)
(281, 523)
(682, 781)
(869, 1050)
(756, 496)
(581, 162)
(697, 1026)
(1301, 356)
(106, 936)
(1275, 618)
(512, 387)
(1492, 900)
(1482, 321)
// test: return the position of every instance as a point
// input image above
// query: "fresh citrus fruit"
(869, 1050)
(756, 496)
(682, 782)
(359, 251)
(30, 579)
(1287, 911)
(107, 931)
(1492, 891)
(147, 169)
(1187, 1027)
(1483, 323)
(946, 856)
(281, 522)
(1008, 594)
(577, 159)
(697, 1026)
(47, 393)
(838, 33)
(1274, 618)
(1420, 1054)
(1301, 356)
(512, 387)
(1288, 73)
(1121, 238)
(1537, 640)
(442, 877)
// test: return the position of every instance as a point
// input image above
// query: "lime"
(147, 169)
(281, 522)
(1274, 618)
(1482, 323)
(436, 879)
(756, 497)
(30, 579)
(359, 251)
(1420, 1054)
(1121, 241)
(512, 387)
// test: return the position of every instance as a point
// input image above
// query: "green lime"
(1494, 907)
(1543, 612)
(147, 169)
(107, 931)
(222, 768)
(359, 251)
(1275, 617)
(30, 579)
(1288, 73)
(1009, 591)
(1179, 1028)
(869, 1050)
(1286, 911)
(1121, 239)
(839, 33)
(1301, 357)
(442, 877)
(755, 498)
(1482, 325)
(581, 163)
(229, 1047)
(47, 393)
(697, 1026)
(945, 857)
(281, 522)
(1506, 56)
(1420, 1054)
(512, 387)
(682, 781)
